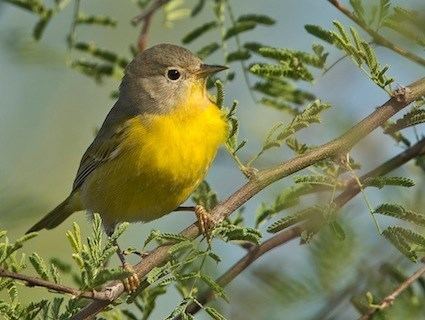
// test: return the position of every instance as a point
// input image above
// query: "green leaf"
(20, 241)
(214, 286)
(371, 59)
(96, 20)
(179, 310)
(412, 118)
(172, 237)
(279, 133)
(158, 272)
(13, 292)
(183, 245)
(207, 50)
(238, 28)
(293, 219)
(317, 180)
(107, 275)
(398, 211)
(197, 8)
(119, 230)
(196, 33)
(33, 6)
(396, 135)
(238, 233)
(153, 235)
(380, 182)
(320, 33)
(338, 230)
(359, 11)
(269, 70)
(283, 69)
(257, 18)
(384, 9)
(220, 93)
(342, 32)
(362, 54)
(39, 265)
(239, 55)
(214, 256)
(399, 241)
(103, 54)
(253, 46)
(289, 197)
(42, 24)
(54, 273)
(55, 308)
(279, 105)
(317, 59)
(214, 314)
(96, 70)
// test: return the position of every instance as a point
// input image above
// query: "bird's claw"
(205, 221)
(132, 282)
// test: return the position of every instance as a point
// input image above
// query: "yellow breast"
(162, 160)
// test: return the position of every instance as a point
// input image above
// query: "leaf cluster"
(92, 256)
(280, 133)
(362, 54)
(408, 242)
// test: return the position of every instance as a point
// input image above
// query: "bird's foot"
(132, 282)
(205, 221)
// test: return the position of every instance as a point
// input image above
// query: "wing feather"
(105, 147)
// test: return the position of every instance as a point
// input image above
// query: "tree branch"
(266, 177)
(104, 295)
(146, 17)
(389, 300)
(377, 38)
(351, 190)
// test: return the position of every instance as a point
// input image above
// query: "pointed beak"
(208, 69)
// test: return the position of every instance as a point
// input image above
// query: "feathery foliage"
(280, 133)
(380, 182)
(399, 212)
(412, 118)
(362, 54)
(276, 77)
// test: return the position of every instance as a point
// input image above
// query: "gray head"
(158, 79)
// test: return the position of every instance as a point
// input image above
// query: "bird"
(154, 147)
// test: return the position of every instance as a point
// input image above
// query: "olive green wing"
(105, 147)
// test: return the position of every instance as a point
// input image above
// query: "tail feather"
(58, 214)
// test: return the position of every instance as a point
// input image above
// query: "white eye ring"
(173, 74)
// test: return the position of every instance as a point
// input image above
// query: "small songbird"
(154, 147)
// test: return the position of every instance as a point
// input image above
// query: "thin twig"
(71, 35)
(243, 65)
(266, 177)
(377, 38)
(389, 300)
(38, 282)
(351, 190)
(146, 16)
(155, 6)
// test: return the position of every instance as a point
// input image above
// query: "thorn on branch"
(401, 94)
(250, 172)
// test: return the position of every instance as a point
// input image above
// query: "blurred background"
(49, 113)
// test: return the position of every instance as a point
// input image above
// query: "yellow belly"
(162, 160)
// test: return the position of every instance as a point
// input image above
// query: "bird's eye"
(173, 74)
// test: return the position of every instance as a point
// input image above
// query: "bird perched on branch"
(154, 147)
